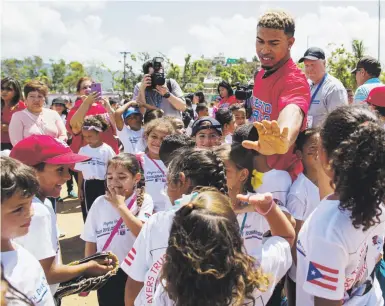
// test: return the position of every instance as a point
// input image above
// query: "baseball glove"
(87, 283)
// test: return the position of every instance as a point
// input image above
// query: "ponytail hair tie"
(256, 179)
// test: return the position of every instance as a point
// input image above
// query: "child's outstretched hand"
(271, 139)
(260, 202)
(115, 197)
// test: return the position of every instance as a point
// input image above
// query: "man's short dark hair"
(279, 20)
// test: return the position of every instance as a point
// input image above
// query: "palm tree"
(358, 49)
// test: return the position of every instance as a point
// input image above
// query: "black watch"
(167, 95)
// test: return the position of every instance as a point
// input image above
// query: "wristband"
(272, 204)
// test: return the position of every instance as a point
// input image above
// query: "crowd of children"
(198, 217)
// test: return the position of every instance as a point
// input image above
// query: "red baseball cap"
(37, 149)
(376, 96)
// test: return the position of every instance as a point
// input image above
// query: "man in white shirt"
(367, 74)
(327, 93)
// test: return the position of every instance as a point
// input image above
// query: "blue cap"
(131, 111)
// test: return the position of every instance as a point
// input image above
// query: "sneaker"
(59, 199)
(72, 194)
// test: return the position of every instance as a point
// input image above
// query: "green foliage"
(76, 71)
(340, 64)
(382, 77)
(59, 70)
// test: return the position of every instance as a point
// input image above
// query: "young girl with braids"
(154, 170)
(205, 262)
(189, 169)
(115, 220)
(339, 244)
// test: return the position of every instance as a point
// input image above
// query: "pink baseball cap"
(376, 96)
(37, 149)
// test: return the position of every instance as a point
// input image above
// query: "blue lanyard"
(243, 223)
(318, 88)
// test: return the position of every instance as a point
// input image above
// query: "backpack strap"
(168, 82)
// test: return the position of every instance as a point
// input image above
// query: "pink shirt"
(25, 123)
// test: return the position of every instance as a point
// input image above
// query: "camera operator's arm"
(175, 96)
(141, 95)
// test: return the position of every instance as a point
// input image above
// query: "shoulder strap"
(117, 226)
(169, 85)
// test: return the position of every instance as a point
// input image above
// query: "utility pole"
(124, 71)
(379, 30)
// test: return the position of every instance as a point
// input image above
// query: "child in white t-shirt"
(191, 168)
(227, 120)
(115, 220)
(128, 119)
(20, 268)
(154, 170)
(92, 173)
(206, 263)
(304, 195)
(51, 158)
(340, 243)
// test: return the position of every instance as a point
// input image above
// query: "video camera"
(243, 92)
(157, 78)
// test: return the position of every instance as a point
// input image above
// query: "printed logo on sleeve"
(130, 257)
(40, 292)
(322, 276)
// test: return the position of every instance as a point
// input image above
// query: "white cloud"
(338, 25)
(151, 19)
(177, 55)
(77, 6)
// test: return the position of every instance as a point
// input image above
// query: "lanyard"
(318, 88)
(156, 164)
(117, 226)
(243, 223)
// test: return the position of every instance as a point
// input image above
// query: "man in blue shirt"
(367, 74)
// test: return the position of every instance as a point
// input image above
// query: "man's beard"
(267, 67)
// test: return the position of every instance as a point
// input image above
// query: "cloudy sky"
(96, 31)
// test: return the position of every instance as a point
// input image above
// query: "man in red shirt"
(281, 95)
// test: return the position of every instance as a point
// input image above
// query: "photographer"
(156, 92)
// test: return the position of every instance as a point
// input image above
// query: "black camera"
(243, 92)
(157, 78)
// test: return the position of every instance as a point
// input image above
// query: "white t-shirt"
(229, 139)
(302, 200)
(155, 176)
(101, 220)
(253, 226)
(144, 261)
(278, 183)
(275, 259)
(130, 139)
(333, 257)
(42, 238)
(95, 168)
(24, 272)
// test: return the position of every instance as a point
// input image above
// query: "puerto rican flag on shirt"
(322, 276)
